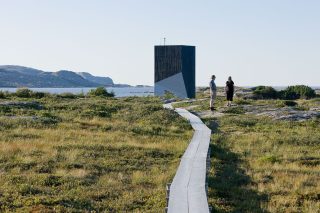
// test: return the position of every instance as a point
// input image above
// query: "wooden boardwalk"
(188, 190)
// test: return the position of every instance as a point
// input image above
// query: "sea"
(118, 91)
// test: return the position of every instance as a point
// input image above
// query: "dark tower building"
(174, 69)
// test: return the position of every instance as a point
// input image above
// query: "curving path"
(188, 188)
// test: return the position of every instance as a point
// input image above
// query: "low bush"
(23, 93)
(265, 92)
(169, 95)
(27, 93)
(298, 91)
(39, 94)
(5, 109)
(67, 95)
(2, 95)
(288, 103)
(100, 91)
(288, 95)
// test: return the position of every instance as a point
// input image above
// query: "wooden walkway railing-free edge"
(188, 191)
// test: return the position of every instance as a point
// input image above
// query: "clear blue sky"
(268, 42)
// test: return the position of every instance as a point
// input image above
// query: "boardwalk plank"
(188, 188)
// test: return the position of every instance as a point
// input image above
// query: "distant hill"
(19, 76)
(96, 79)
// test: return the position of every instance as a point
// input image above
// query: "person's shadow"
(230, 188)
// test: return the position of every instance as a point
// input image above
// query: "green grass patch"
(262, 165)
(234, 110)
(92, 154)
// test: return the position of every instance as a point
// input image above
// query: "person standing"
(213, 92)
(229, 89)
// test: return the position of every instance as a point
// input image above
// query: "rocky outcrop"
(284, 113)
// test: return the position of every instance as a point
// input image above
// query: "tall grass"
(88, 154)
(261, 165)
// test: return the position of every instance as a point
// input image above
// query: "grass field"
(115, 155)
(88, 154)
(260, 164)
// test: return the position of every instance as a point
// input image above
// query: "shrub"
(305, 91)
(39, 94)
(286, 103)
(288, 94)
(169, 95)
(67, 95)
(298, 91)
(290, 103)
(5, 109)
(27, 93)
(23, 93)
(265, 92)
(2, 94)
(100, 91)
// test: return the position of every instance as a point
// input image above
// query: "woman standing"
(229, 89)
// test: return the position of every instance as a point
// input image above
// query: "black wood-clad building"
(175, 70)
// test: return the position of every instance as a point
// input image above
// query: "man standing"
(213, 92)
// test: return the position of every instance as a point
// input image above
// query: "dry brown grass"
(96, 154)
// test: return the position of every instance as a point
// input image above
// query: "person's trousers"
(213, 95)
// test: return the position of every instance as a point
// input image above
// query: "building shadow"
(230, 188)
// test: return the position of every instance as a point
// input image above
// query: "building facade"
(175, 68)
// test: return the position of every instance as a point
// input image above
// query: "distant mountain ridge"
(96, 79)
(19, 76)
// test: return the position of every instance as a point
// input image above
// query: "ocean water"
(118, 91)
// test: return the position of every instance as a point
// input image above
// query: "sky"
(257, 42)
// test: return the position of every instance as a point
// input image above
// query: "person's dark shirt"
(230, 86)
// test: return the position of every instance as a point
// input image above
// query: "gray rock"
(284, 113)
(299, 116)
